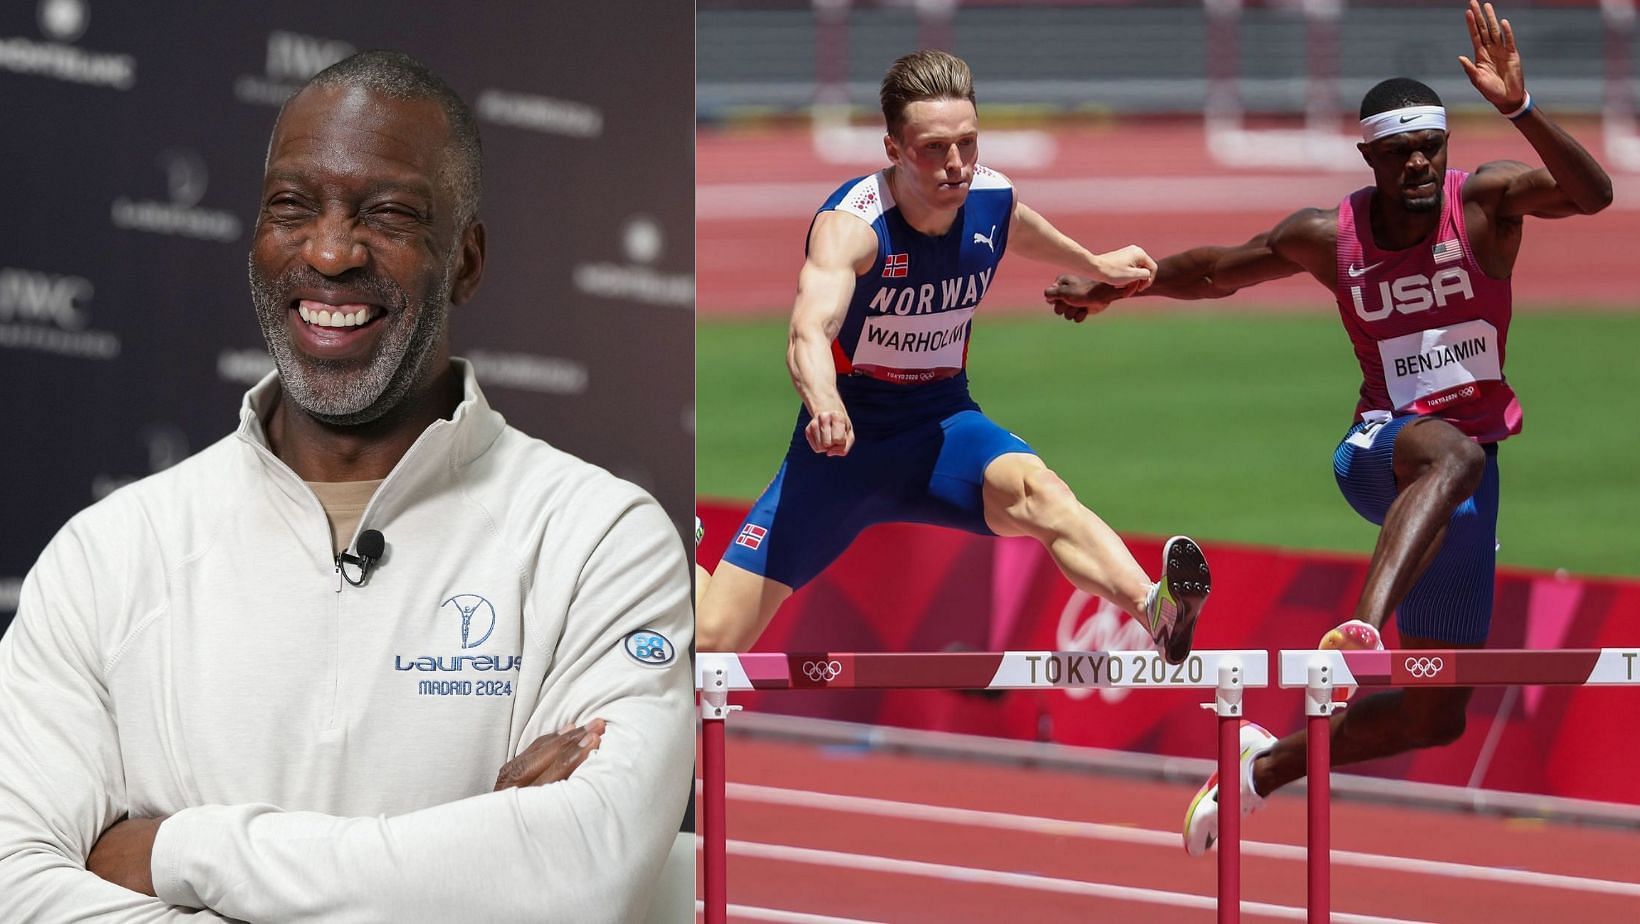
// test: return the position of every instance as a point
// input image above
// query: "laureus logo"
(477, 618)
(64, 20)
(186, 179)
(638, 279)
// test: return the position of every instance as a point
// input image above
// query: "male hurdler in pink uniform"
(1419, 264)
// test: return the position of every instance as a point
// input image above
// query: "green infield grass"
(1222, 424)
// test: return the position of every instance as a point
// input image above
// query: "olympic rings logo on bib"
(1424, 668)
(822, 671)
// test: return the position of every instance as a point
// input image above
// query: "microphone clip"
(370, 546)
(363, 564)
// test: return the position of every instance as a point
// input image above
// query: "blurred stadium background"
(1169, 125)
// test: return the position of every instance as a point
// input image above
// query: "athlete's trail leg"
(1023, 497)
(734, 607)
(1380, 725)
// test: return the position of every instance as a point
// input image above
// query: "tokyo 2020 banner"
(132, 142)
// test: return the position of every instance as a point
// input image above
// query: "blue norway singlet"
(903, 345)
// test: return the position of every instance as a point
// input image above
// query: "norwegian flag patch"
(896, 265)
(751, 536)
(1448, 251)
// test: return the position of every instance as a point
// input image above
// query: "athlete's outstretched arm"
(841, 248)
(1031, 235)
(1571, 182)
(1302, 241)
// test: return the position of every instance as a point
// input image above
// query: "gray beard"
(342, 394)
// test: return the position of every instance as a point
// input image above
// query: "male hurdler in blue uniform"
(897, 262)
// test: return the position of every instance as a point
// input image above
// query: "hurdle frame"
(1226, 673)
(1321, 672)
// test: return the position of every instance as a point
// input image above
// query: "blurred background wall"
(131, 160)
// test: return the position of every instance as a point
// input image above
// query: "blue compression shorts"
(929, 472)
(1452, 601)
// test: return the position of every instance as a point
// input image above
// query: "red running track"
(833, 834)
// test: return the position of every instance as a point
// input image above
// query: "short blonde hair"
(923, 75)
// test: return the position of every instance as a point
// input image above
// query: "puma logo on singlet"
(982, 239)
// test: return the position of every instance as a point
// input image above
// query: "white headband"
(1396, 121)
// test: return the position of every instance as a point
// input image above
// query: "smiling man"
(1419, 266)
(897, 263)
(376, 655)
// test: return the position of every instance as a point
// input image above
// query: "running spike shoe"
(1201, 820)
(1177, 599)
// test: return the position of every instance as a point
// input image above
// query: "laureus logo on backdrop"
(643, 242)
(63, 22)
(243, 367)
(49, 313)
(166, 444)
(186, 179)
(292, 58)
(544, 375)
(539, 113)
(11, 592)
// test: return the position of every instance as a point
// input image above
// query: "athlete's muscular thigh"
(1023, 497)
(1429, 443)
(735, 609)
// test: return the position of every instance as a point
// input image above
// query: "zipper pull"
(338, 574)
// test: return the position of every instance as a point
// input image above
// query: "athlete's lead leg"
(1023, 497)
(1437, 468)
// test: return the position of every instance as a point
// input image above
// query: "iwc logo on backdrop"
(186, 179)
(292, 58)
(539, 113)
(1107, 628)
(546, 375)
(47, 313)
(64, 21)
(642, 242)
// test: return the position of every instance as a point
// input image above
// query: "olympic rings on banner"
(822, 671)
(1424, 667)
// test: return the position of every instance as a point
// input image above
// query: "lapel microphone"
(370, 547)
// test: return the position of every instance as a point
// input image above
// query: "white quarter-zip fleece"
(182, 649)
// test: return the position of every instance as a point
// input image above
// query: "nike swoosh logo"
(1355, 271)
(1406, 119)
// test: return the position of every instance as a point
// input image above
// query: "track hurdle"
(1227, 673)
(1320, 672)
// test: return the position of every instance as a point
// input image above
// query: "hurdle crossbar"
(1321, 672)
(1227, 673)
